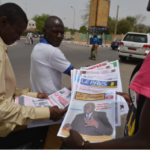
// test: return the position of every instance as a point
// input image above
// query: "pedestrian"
(13, 117)
(28, 38)
(31, 40)
(137, 128)
(48, 64)
(94, 48)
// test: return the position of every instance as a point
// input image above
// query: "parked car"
(35, 35)
(68, 39)
(134, 45)
(115, 44)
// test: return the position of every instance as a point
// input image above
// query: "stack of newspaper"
(95, 110)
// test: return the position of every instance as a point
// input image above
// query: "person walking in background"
(28, 38)
(31, 40)
(94, 48)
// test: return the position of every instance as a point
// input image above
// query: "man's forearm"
(132, 142)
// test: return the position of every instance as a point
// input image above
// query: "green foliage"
(132, 20)
(66, 29)
(40, 20)
(83, 29)
(72, 30)
(124, 26)
(111, 25)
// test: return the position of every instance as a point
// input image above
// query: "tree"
(111, 25)
(72, 30)
(124, 26)
(133, 22)
(40, 20)
(83, 29)
(139, 26)
(86, 15)
(66, 29)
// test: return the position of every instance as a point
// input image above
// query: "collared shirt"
(88, 116)
(12, 114)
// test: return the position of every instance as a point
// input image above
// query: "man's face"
(12, 33)
(89, 108)
(54, 34)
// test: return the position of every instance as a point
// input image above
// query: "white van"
(134, 45)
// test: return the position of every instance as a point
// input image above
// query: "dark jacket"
(104, 127)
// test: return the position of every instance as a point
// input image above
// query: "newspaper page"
(123, 104)
(61, 99)
(35, 102)
(105, 63)
(92, 90)
(91, 115)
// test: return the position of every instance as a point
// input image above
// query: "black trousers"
(18, 138)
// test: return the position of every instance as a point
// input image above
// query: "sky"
(62, 9)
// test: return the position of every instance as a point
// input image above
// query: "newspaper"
(61, 99)
(92, 115)
(123, 105)
(100, 78)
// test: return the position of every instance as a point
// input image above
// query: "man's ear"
(4, 22)
(44, 31)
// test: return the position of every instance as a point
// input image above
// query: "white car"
(134, 45)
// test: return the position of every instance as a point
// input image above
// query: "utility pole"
(96, 16)
(73, 19)
(116, 23)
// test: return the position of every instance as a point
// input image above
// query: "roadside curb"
(86, 45)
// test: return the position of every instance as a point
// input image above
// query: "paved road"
(78, 55)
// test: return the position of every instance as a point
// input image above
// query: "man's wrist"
(86, 145)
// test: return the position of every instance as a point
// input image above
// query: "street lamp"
(74, 17)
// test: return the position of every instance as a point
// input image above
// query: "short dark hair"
(13, 12)
(50, 20)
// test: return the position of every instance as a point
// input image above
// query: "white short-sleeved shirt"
(47, 65)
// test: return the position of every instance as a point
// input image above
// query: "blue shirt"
(96, 41)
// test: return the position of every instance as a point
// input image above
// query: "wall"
(109, 40)
(31, 24)
(68, 35)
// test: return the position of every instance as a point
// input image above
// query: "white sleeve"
(59, 62)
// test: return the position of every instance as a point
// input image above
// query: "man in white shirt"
(48, 63)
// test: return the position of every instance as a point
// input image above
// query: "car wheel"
(122, 58)
(113, 48)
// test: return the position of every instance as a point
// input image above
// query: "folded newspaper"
(95, 110)
(60, 99)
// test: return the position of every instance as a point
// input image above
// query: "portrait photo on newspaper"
(92, 115)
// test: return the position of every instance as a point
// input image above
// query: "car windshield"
(136, 38)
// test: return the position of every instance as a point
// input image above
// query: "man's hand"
(125, 96)
(67, 127)
(56, 113)
(74, 141)
(91, 122)
(42, 95)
